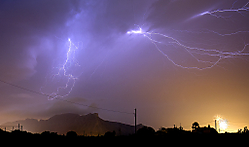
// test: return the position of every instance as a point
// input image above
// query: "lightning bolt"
(64, 71)
(216, 13)
(64, 75)
(193, 51)
(216, 54)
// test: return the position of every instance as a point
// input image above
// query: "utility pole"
(215, 125)
(135, 115)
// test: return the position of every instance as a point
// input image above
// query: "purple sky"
(120, 71)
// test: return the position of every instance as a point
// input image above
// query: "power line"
(94, 106)
(23, 88)
(57, 98)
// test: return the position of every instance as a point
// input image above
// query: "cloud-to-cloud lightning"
(216, 13)
(193, 51)
(197, 52)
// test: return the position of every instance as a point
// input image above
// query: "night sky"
(184, 65)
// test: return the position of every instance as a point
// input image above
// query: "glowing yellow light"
(221, 122)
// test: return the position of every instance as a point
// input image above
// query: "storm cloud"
(120, 71)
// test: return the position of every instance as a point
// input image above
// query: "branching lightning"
(193, 51)
(205, 57)
(216, 13)
(63, 75)
(198, 52)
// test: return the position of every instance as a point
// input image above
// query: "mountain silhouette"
(90, 124)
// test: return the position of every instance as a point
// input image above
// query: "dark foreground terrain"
(85, 125)
(18, 137)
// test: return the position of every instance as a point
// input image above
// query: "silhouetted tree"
(145, 131)
(71, 134)
(195, 125)
(245, 130)
(162, 131)
(49, 134)
(110, 134)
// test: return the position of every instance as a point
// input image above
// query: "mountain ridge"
(89, 125)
